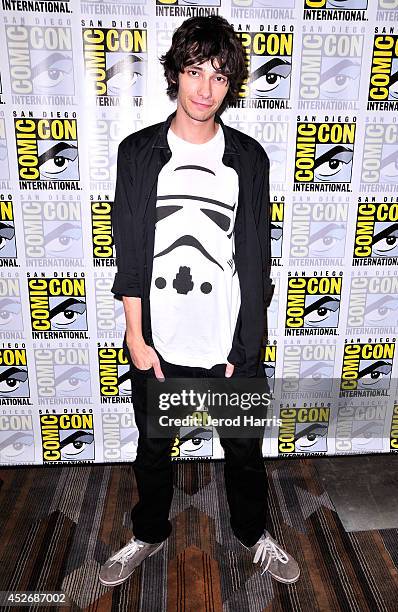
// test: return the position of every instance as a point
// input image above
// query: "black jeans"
(244, 470)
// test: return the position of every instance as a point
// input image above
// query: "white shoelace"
(125, 553)
(274, 552)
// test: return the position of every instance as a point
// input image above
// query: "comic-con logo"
(394, 430)
(318, 232)
(63, 373)
(347, 10)
(269, 62)
(303, 429)
(52, 231)
(273, 135)
(67, 437)
(376, 234)
(8, 247)
(308, 368)
(114, 374)
(115, 61)
(101, 228)
(367, 368)
(324, 155)
(379, 157)
(57, 305)
(47, 151)
(194, 441)
(119, 436)
(14, 378)
(383, 73)
(330, 67)
(313, 305)
(373, 305)
(16, 438)
(276, 216)
(360, 428)
(268, 360)
(41, 62)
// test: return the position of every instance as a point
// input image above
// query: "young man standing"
(195, 290)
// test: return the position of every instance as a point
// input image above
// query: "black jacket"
(141, 156)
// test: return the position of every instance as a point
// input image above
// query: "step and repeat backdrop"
(322, 99)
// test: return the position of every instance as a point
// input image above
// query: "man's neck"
(196, 132)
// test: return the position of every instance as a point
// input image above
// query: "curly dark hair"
(200, 39)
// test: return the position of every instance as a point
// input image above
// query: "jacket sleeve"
(126, 280)
(262, 214)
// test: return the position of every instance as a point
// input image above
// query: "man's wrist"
(134, 339)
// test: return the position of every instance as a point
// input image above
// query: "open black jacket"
(141, 156)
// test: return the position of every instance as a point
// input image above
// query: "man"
(195, 290)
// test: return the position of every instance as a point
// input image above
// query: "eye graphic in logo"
(374, 375)
(77, 445)
(367, 436)
(7, 240)
(316, 375)
(381, 310)
(198, 2)
(124, 380)
(321, 312)
(14, 382)
(389, 164)
(333, 164)
(58, 160)
(339, 79)
(127, 75)
(385, 240)
(52, 73)
(270, 77)
(276, 239)
(347, 4)
(196, 442)
(69, 313)
(10, 314)
(62, 239)
(311, 438)
(17, 447)
(326, 239)
(72, 381)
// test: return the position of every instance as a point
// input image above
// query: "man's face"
(201, 90)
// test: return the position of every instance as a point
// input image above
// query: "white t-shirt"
(195, 291)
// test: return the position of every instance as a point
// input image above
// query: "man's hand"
(144, 357)
(229, 369)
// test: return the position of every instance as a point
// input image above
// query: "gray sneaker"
(122, 564)
(274, 559)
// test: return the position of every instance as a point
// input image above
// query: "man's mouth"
(200, 105)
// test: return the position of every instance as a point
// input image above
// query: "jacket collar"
(161, 140)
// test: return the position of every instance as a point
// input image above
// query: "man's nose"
(204, 89)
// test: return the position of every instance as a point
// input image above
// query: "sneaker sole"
(279, 579)
(105, 583)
